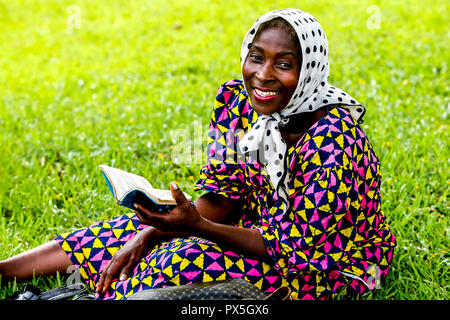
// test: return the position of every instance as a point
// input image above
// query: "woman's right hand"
(126, 258)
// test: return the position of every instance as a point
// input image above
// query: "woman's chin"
(266, 109)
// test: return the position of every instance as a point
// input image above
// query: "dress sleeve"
(318, 227)
(222, 174)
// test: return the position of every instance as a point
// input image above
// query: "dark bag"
(231, 289)
(30, 292)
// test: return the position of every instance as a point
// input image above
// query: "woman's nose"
(265, 73)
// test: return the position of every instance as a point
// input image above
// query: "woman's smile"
(264, 94)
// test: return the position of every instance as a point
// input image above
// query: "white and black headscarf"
(313, 92)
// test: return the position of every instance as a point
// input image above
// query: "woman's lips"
(264, 95)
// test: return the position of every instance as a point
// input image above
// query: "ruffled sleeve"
(222, 173)
(318, 228)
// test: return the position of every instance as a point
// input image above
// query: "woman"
(293, 190)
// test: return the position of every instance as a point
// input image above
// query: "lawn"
(128, 83)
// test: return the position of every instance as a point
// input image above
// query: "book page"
(123, 181)
(165, 196)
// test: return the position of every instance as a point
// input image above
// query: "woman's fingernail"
(123, 277)
(174, 186)
(135, 205)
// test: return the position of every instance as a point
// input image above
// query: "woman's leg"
(46, 259)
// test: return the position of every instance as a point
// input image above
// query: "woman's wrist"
(201, 227)
(148, 233)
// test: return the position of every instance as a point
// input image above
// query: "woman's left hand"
(183, 218)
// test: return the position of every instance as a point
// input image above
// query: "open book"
(128, 188)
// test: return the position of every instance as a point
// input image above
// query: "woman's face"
(271, 70)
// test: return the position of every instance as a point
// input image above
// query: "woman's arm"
(214, 208)
(195, 221)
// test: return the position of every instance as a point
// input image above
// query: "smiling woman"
(272, 68)
(304, 213)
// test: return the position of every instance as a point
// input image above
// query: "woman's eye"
(285, 65)
(255, 57)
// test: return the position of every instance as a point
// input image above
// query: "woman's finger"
(111, 273)
(177, 194)
(126, 270)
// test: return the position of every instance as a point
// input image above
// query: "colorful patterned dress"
(332, 240)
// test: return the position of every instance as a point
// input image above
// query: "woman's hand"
(126, 258)
(184, 217)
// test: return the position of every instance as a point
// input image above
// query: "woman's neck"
(299, 124)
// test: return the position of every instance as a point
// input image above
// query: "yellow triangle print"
(344, 126)
(336, 256)
(308, 203)
(240, 264)
(369, 173)
(143, 266)
(318, 141)
(112, 250)
(294, 231)
(294, 283)
(228, 262)
(317, 254)
(325, 208)
(184, 264)
(168, 271)
(86, 252)
(353, 131)
(222, 140)
(222, 128)
(95, 230)
(259, 283)
(358, 237)
(235, 110)
(347, 232)
(244, 122)
(134, 282)
(266, 267)
(176, 258)
(334, 112)
(147, 281)
(316, 159)
(199, 261)
(176, 279)
(117, 233)
(223, 276)
(91, 268)
(207, 277)
(79, 256)
(66, 247)
(130, 226)
(282, 263)
(345, 159)
(97, 243)
(302, 214)
(340, 140)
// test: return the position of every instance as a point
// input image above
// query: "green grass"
(112, 92)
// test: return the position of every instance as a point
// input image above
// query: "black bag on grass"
(30, 292)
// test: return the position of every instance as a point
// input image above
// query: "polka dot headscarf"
(313, 92)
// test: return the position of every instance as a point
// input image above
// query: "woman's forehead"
(275, 39)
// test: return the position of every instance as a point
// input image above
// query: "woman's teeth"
(265, 93)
